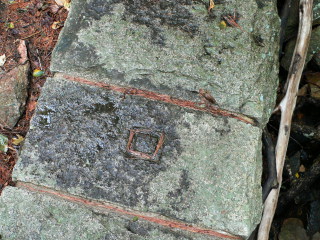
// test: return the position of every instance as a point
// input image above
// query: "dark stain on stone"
(227, 128)
(45, 116)
(92, 147)
(152, 13)
(258, 40)
(261, 3)
(99, 8)
(82, 51)
(137, 229)
(179, 196)
(156, 13)
(101, 108)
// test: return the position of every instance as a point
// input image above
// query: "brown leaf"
(315, 91)
(56, 25)
(211, 5)
(313, 78)
(303, 90)
(54, 8)
(60, 2)
(302, 168)
(64, 3)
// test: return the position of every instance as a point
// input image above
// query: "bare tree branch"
(287, 106)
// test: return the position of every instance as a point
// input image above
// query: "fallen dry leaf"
(56, 25)
(64, 3)
(67, 4)
(60, 2)
(3, 59)
(54, 8)
(313, 80)
(302, 168)
(303, 90)
(17, 140)
(211, 5)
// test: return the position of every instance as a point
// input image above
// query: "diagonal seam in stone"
(214, 110)
(120, 210)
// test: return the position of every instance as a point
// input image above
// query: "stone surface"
(176, 47)
(209, 167)
(316, 236)
(316, 60)
(208, 170)
(316, 12)
(13, 94)
(314, 47)
(27, 215)
(292, 229)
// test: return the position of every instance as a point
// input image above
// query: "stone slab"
(208, 171)
(176, 48)
(28, 215)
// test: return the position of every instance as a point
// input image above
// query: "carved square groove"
(145, 144)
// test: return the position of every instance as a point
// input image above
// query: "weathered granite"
(208, 170)
(175, 47)
(13, 94)
(208, 173)
(27, 215)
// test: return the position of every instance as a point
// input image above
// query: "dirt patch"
(39, 23)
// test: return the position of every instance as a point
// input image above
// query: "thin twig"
(287, 106)
(39, 60)
(31, 35)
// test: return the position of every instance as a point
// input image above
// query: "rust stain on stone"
(116, 209)
(212, 109)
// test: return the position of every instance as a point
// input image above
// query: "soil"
(39, 23)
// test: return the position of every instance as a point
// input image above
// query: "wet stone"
(146, 155)
(176, 47)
